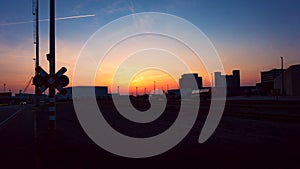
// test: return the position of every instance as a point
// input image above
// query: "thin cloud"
(118, 6)
(45, 20)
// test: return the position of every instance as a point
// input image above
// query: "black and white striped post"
(43, 81)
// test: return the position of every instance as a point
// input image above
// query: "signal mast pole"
(51, 59)
(53, 80)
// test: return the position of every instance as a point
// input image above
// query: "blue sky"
(249, 35)
(270, 19)
(276, 20)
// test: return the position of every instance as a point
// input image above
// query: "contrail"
(44, 20)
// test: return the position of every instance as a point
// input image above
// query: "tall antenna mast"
(35, 12)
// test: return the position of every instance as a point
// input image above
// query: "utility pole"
(4, 87)
(51, 59)
(282, 76)
(136, 91)
(118, 90)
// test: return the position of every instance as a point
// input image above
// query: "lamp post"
(282, 76)
(212, 80)
(154, 87)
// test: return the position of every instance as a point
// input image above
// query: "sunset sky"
(248, 35)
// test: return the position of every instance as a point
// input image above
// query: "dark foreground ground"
(251, 134)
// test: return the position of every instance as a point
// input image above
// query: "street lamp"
(282, 76)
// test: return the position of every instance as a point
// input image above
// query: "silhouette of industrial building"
(291, 81)
(186, 79)
(100, 92)
(231, 81)
(269, 76)
(266, 86)
(174, 92)
(186, 83)
(5, 97)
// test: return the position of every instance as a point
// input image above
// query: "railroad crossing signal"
(43, 80)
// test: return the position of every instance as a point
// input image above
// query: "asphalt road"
(239, 142)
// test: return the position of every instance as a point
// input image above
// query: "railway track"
(9, 116)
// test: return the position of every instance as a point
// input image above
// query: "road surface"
(239, 141)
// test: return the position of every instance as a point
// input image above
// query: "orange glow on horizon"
(152, 79)
(16, 77)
